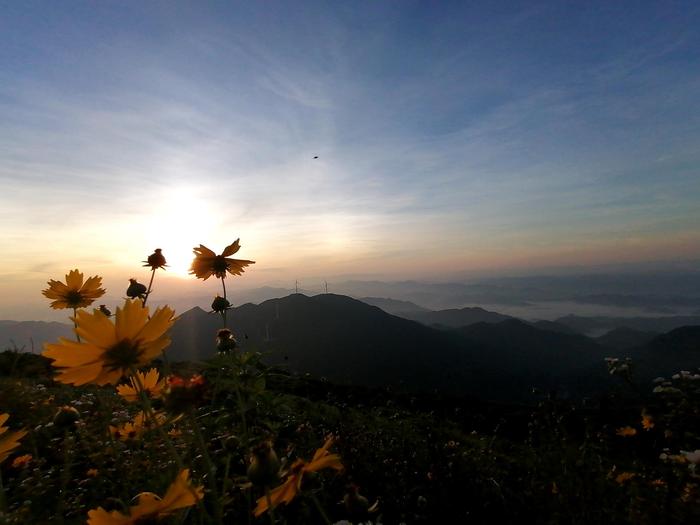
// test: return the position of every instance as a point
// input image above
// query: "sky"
(452, 138)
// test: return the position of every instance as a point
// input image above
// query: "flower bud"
(66, 417)
(264, 465)
(220, 304)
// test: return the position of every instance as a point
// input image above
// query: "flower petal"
(71, 353)
(231, 248)
(130, 319)
(74, 280)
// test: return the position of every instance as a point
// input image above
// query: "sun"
(178, 223)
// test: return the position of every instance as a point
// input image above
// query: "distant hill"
(394, 306)
(667, 354)
(30, 335)
(625, 338)
(597, 326)
(553, 326)
(349, 341)
(569, 363)
(337, 337)
(454, 318)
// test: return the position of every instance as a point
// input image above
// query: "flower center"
(125, 354)
(220, 265)
(74, 298)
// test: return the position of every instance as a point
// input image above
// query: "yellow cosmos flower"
(107, 350)
(75, 293)
(626, 431)
(206, 263)
(290, 488)
(647, 421)
(22, 461)
(150, 381)
(8, 440)
(150, 507)
(623, 477)
(136, 428)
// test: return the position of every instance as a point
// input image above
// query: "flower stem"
(223, 314)
(319, 508)
(150, 284)
(270, 510)
(3, 503)
(211, 468)
(75, 323)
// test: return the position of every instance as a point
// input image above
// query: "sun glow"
(177, 225)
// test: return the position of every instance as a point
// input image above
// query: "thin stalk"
(270, 510)
(227, 470)
(319, 508)
(65, 477)
(150, 414)
(150, 283)
(3, 503)
(75, 323)
(223, 314)
(211, 468)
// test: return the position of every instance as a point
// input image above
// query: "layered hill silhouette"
(30, 336)
(351, 342)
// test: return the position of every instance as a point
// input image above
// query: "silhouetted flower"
(156, 260)
(225, 342)
(75, 293)
(206, 263)
(66, 416)
(105, 310)
(110, 350)
(219, 304)
(264, 466)
(136, 289)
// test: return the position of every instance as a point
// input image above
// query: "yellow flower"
(623, 477)
(151, 507)
(21, 461)
(206, 263)
(647, 421)
(92, 473)
(75, 293)
(626, 431)
(136, 428)
(110, 350)
(8, 441)
(150, 381)
(291, 487)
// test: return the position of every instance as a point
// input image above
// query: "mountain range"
(468, 351)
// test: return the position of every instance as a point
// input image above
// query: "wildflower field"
(103, 429)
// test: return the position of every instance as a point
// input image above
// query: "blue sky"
(452, 137)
